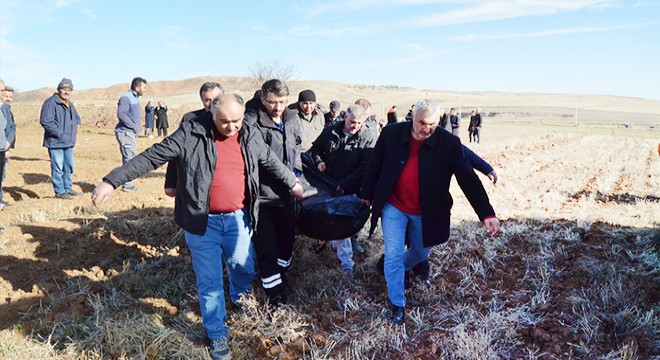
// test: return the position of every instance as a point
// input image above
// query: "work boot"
(220, 349)
(397, 314)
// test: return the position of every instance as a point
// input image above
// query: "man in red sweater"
(412, 159)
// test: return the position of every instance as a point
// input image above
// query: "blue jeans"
(227, 238)
(344, 253)
(397, 259)
(127, 146)
(61, 169)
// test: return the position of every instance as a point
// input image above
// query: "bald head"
(228, 111)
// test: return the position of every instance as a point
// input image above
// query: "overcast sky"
(605, 47)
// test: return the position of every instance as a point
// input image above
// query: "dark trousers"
(162, 132)
(476, 134)
(273, 243)
(2, 171)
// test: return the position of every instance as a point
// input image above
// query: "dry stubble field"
(574, 273)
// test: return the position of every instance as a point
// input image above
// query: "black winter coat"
(345, 157)
(161, 117)
(193, 148)
(283, 145)
(440, 157)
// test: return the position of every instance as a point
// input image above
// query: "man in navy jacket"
(60, 121)
(407, 183)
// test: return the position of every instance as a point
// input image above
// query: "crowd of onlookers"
(234, 170)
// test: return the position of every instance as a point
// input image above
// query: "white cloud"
(413, 53)
(89, 12)
(485, 11)
(64, 3)
(554, 32)
(175, 39)
(309, 31)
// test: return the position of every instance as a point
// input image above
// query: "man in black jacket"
(219, 160)
(407, 183)
(342, 152)
(275, 234)
(207, 92)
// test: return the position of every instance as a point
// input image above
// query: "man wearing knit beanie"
(60, 121)
(312, 121)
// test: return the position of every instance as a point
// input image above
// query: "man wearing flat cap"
(335, 114)
(60, 121)
(311, 119)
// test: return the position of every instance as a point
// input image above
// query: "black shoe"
(75, 193)
(64, 196)
(380, 265)
(286, 289)
(397, 314)
(278, 300)
(407, 281)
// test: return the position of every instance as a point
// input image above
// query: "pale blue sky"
(608, 47)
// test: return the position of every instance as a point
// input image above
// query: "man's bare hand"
(102, 193)
(492, 225)
(321, 167)
(297, 191)
(171, 192)
(492, 176)
(366, 202)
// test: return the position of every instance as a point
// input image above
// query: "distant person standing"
(10, 134)
(409, 115)
(335, 114)
(161, 119)
(149, 120)
(60, 121)
(391, 116)
(455, 121)
(130, 122)
(476, 127)
(3, 140)
(471, 126)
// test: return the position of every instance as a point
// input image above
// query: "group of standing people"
(155, 116)
(234, 173)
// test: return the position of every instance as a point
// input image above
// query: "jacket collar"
(432, 141)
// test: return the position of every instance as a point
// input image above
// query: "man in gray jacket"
(312, 121)
(218, 159)
(60, 121)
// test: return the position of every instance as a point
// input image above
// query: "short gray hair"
(428, 107)
(221, 98)
(356, 110)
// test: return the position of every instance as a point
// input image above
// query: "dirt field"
(575, 272)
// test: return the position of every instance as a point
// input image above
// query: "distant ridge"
(184, 93)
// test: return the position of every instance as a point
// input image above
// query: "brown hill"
(535, 107)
